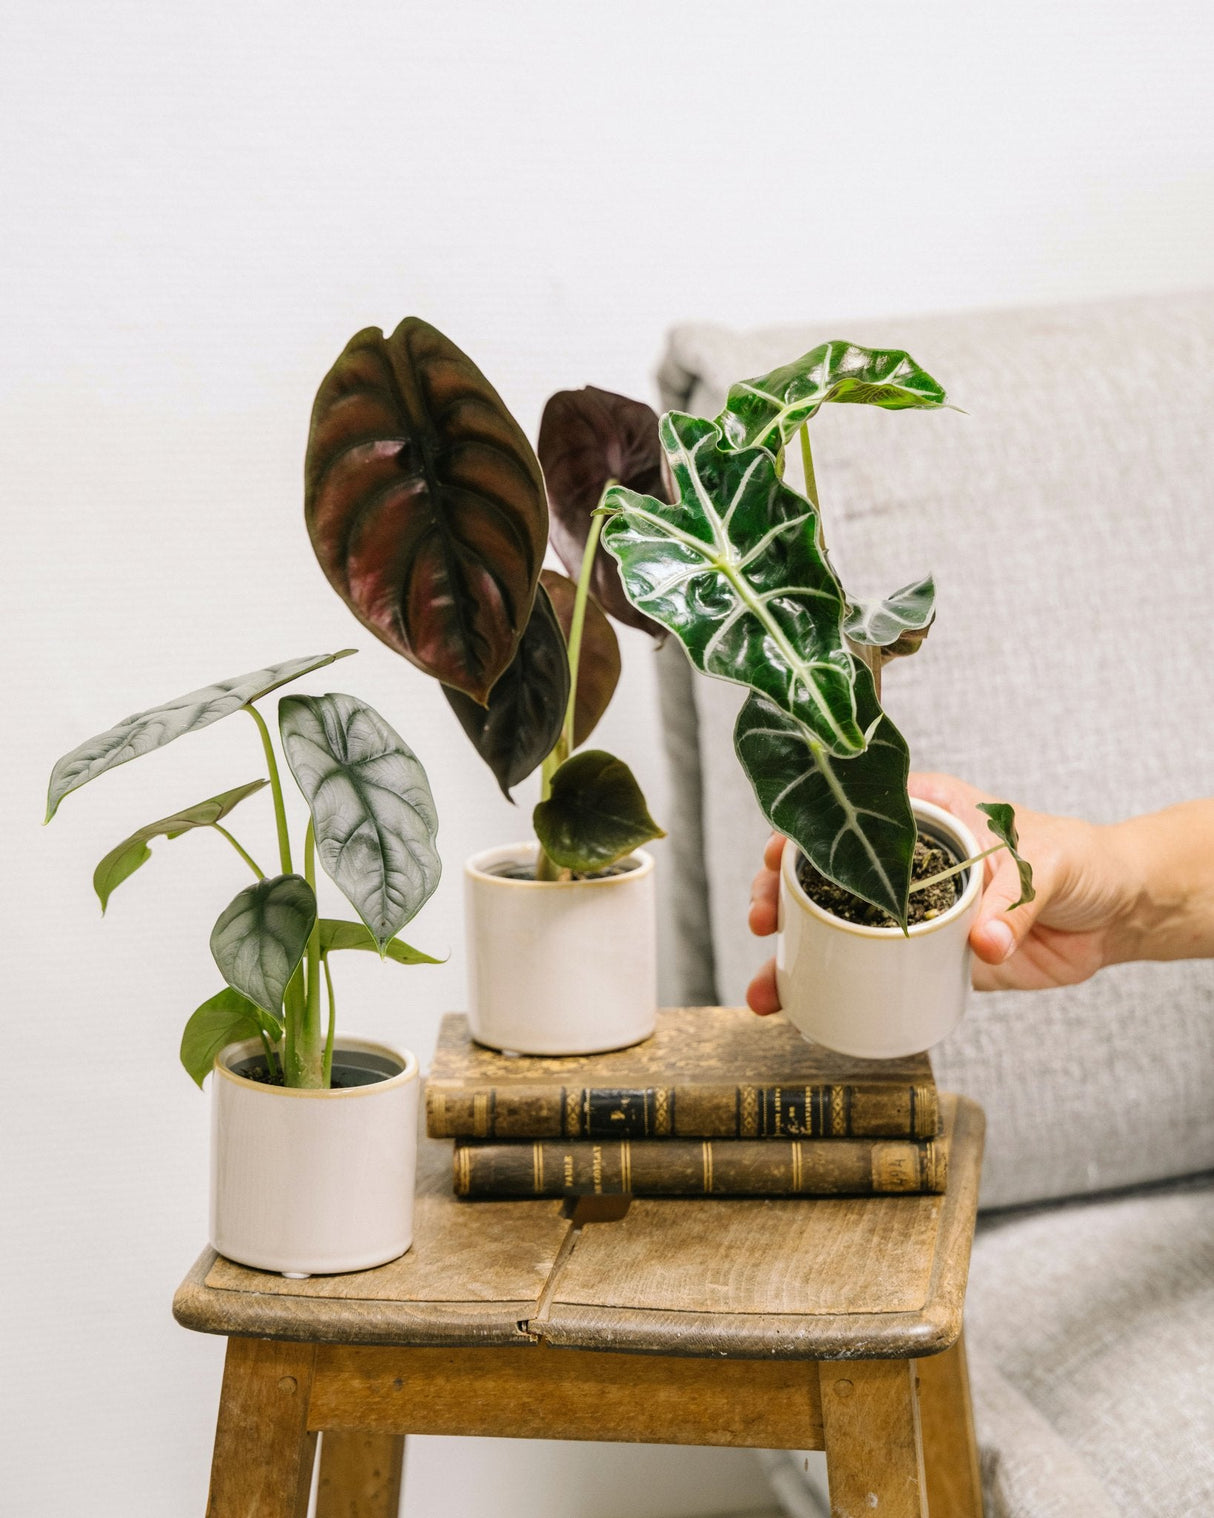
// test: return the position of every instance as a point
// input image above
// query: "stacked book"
(717, 1102)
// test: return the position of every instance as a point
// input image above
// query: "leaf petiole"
(244, 854)
(922, 885)
(280, 811)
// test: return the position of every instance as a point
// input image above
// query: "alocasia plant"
(737, 567)
(429, 514)
(372, 822)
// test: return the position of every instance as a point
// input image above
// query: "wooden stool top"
(798, 1278)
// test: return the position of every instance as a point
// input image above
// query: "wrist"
(1167, 884)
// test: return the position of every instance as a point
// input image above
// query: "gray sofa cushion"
(1068, 520)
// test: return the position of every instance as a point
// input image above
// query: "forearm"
(1168, 859)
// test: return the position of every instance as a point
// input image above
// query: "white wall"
(200, 204)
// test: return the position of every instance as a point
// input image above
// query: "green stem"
(807, 458)
(309, 1049)
(328, 1066)
(578, 621)
(244, 854)
(922, 885)
(269, 1053)
(280, 811)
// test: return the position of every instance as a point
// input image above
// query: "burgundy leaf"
(599, 661)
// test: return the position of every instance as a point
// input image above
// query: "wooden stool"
(793, 1324)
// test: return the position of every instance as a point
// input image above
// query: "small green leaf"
(1001, 819)
(122, 862)
(595, 814)
(226, 1019)
(898, 624)
(152, 729)
(261, 935)
(336, 934)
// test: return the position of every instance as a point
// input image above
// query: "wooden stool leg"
(874, 1451)
(263, 1452)
(360, 1474)
(950, 1451)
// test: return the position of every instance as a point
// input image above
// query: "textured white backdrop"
(200, 204)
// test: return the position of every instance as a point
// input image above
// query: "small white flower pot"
(314, 1182)
(876, 993)
(559, 967)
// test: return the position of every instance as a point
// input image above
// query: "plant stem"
(807, 458)
(328, 1065)
(280, 811)
(922, 885)
(244, 854)
(309, 1051)
(578, 621)
(269, 1053)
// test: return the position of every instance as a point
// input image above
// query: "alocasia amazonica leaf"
(595, 815)
(851, 817)
(335, 934)
(598, 670)
(519, 727)
(371, 806)
(733, 568)
(1001, 819)
(767, 411)
(122, 861)
(425, 504)
(224, 1019)
(260, 937)
(152, 729)
(588, 437)
(898, 624)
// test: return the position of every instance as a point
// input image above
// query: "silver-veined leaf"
(224, 1019)
(896, 625)
(850, 817)
(1001, 819)
(372, 811)
(767, 411)
(337, 934)
(595, 813)
(152, 729)
(260, 936)
(733, 568)
(125, 858)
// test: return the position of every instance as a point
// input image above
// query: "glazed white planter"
(314, 1182)
(559, 967)
(876, 993)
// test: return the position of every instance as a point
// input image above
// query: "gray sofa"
(1069, 520)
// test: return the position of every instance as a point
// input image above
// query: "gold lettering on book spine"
(748, 1112)
(661, 1112)
(573, 1126)
(838, 1111)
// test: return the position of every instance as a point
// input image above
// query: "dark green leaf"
(522, 722)
(733, 568)
(335, 934)
(371, 806)
(766, 412)
(1001, 819)
(149, 730)
(122, 862)
(896, 625)
(850, 817)
(425, 504)
(588, 437)
(226, 1019)
(595, 815)
(598, 670)
(261, 935)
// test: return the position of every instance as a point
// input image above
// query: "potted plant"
(428, 511)
(877, 893)
(314, 1137)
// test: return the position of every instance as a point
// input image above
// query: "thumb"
(999, 930)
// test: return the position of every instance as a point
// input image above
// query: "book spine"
(678, 1167)
(862, 1110)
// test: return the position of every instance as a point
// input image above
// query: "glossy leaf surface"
(225, 1019)
(896, 625)
(152, 729)
(850, 817)
(595, 815)
(372, 811)
(588, 437)
(425, 504)
(336, 934)
(519, 727)
(733, 568)
(767, 411)
(598, 671)
(1001, 819)
(260, 937)
(123, 860)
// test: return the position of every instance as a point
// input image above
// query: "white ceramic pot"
(314, 1182)
(876, 993)
(559, 967)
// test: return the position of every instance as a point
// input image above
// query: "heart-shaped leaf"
(766, 412)
(371, 806)
(159, 725)
(425, 504)
(595, 815)
(1001, 819)
(896, 625)
(519, 727)
(598, 670)
(850, 817)
(122, 861)
(734, 569)
(336, 934)
(260, 936)
(224, 1019)
(588, 437)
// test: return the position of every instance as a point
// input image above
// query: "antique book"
(700, 1167)
(707, 1072)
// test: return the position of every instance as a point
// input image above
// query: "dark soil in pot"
(527, 871)
(931, 856)
(351, 1069)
